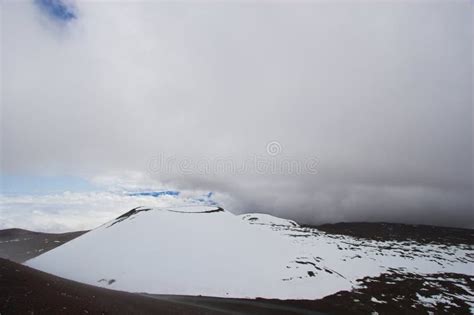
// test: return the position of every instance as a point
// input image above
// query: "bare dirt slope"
(20, 245)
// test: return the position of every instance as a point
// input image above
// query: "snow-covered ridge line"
(202, 250)
(183, 209)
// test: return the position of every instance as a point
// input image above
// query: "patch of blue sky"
(59, 10)
(155, 193)
(42, 185)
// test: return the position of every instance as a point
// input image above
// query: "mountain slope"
(209, 251)
(20, 245)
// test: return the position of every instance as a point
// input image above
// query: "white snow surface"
(208, 251)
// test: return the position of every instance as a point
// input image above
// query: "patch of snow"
(432, 301)
(374, 300)
(10, 241)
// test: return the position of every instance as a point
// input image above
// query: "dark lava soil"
(425, 234)
(20, 245)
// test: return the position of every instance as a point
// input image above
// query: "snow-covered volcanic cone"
(201, 250)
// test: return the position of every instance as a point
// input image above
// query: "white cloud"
(75, 211)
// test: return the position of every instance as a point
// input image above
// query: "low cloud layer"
(379, 94)
(71, 211)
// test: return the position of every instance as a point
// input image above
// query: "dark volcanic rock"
(20, 245)
(424, 234)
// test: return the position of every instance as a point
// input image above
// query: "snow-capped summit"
(206, 250)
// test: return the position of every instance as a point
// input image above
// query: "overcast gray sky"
(378, 92)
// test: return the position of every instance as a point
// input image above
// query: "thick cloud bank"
(318, 111)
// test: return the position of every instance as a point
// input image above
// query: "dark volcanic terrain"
(20, 245)
(423, 234)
